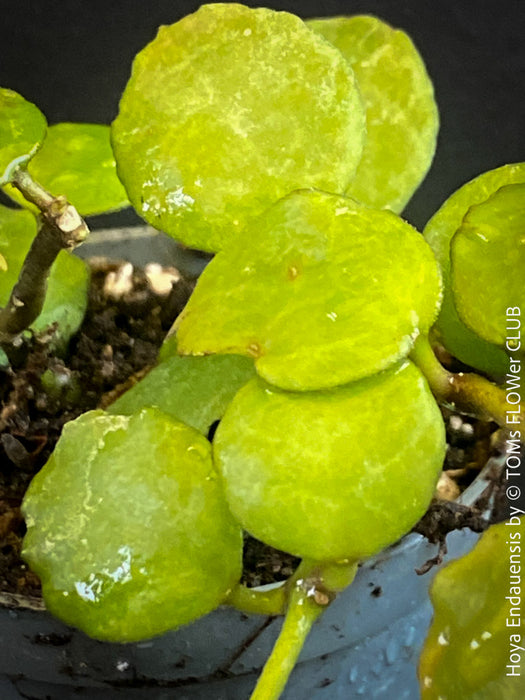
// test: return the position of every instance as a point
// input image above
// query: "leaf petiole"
(468, 392)
(311, 590)
(270, 601)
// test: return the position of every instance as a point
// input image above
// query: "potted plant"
(308, 335)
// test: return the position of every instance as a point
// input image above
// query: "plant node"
(61, 228)
(467, 392)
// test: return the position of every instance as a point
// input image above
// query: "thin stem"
(61, 228)
(31, 190)
(27, 296)
(271, 601)
(469, 393)
(302, 613)
(437, 376)
(309, 596)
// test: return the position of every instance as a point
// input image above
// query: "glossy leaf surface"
(77, 162)
(194, 390)
(488, 263)
(135, 538)
(456, 337)
(335, 474)
(237, 107)
(22, 130)
(467, 650)
(326, 291)
(66, 298)
(401, 114)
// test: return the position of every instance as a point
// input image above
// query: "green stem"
(309, 596)
(271, 601)
(469, 393)
(302, 613)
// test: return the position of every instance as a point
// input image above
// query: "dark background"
(72, 58)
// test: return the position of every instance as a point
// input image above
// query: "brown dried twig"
(61, 228)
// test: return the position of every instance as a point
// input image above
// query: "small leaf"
(323, 292)
(128, 528)
(66, 298)
(466, 653)
(455, 336)
(194, 390)
(22, 130)
(332, 475)
(488, 263)
(401, 114)
(76, 161)
(237, 107)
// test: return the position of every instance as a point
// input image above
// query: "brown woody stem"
(61, 228)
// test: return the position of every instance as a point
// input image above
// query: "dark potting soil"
(126, 322)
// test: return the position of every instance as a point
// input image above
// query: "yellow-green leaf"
(488, 263)
(336, 474)
(77, 162)
(22, 130)
(236, 107)
(402, 119)
(477, 599)
(324, 291)
(457, 338)
(128, 528)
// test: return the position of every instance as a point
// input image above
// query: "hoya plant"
(288, 149)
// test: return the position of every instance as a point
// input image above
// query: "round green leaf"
(135, 538)
(324, 292)
(332, 475)
(66, 297)
(455, 336)
(194, 390)
(236, 107)
(76, 161)
(22, 130)
(468, 648)
(488, 263)
(401, 114)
